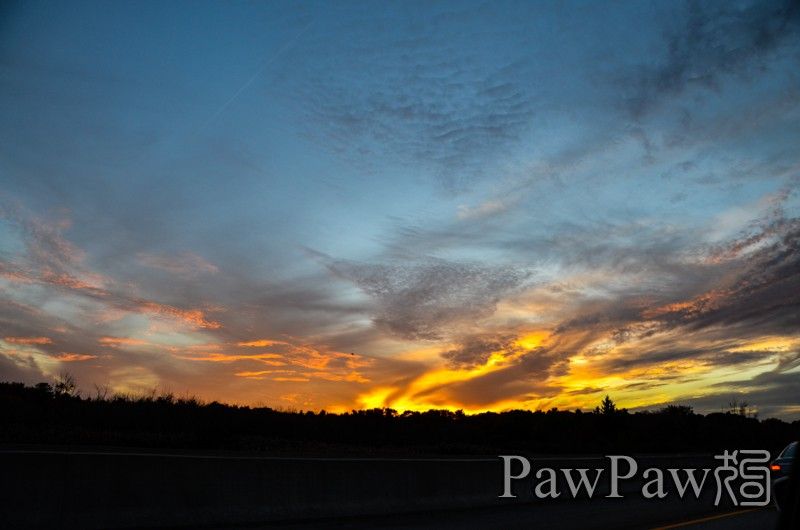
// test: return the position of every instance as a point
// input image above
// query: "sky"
(463, 205)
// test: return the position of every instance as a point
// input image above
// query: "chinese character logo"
(753, 479)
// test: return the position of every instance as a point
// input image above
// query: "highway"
(71, 488)
(630, 514)
(578, 516)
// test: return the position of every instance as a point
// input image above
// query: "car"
(781, 468)
(782, 465)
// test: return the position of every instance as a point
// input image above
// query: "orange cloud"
(115, 342)
(260, 343)
(194, 317)
(29, 340)
(15, 276)
(695, 306)
(302, 362)
(430, 389)
(259, 374)
(272, 359)
(254, 375)
(74, 357)
(353, 377)
(91, 283)
(290, 376)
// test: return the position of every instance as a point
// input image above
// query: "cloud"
(476, 350)
(50, 260)
(186, 264)
(712, 41)
(20, 370)
(766, 393)
(423, 300)
(525, 379)
(762, 294)
(193, 317)
(485, 209)
(74, 357)
(300, 359)
(116, 342)
(419, 94)
(253, 375)
(29, 340)
(646, 313)
(656, 274)
(259, 343)
(272, 359)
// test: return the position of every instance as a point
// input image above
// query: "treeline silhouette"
(58, 415)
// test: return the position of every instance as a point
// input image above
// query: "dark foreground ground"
(68, 487)
(575, 515)
(57, 415)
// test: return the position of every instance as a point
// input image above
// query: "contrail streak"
(257, 73)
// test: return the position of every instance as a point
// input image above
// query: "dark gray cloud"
(421, 300)
(476, 350)
(24, 370)
(524, 378)
(745, 289)
(433, 116)
(769, 393)
(763, 294)
(711, 355)
(710, 41)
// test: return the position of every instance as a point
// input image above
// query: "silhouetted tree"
(45, 389)
(65, 385)
(741, 408)
(607, 407)
(101, 392)
(43, 414)
(678, 410)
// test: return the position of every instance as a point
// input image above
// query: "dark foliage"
(43, 415)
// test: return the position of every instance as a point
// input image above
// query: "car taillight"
(775, 467)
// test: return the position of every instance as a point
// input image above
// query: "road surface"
(575, 515)
(72, 488)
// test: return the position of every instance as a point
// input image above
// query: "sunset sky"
(337, 205)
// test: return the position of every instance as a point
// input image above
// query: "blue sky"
(417, 204)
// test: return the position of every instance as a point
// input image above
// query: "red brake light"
(775, 467)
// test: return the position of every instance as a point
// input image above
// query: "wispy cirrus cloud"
(51, 261)
(415, 106)
(186, 264)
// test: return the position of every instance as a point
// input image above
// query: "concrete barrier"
(65, 489)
